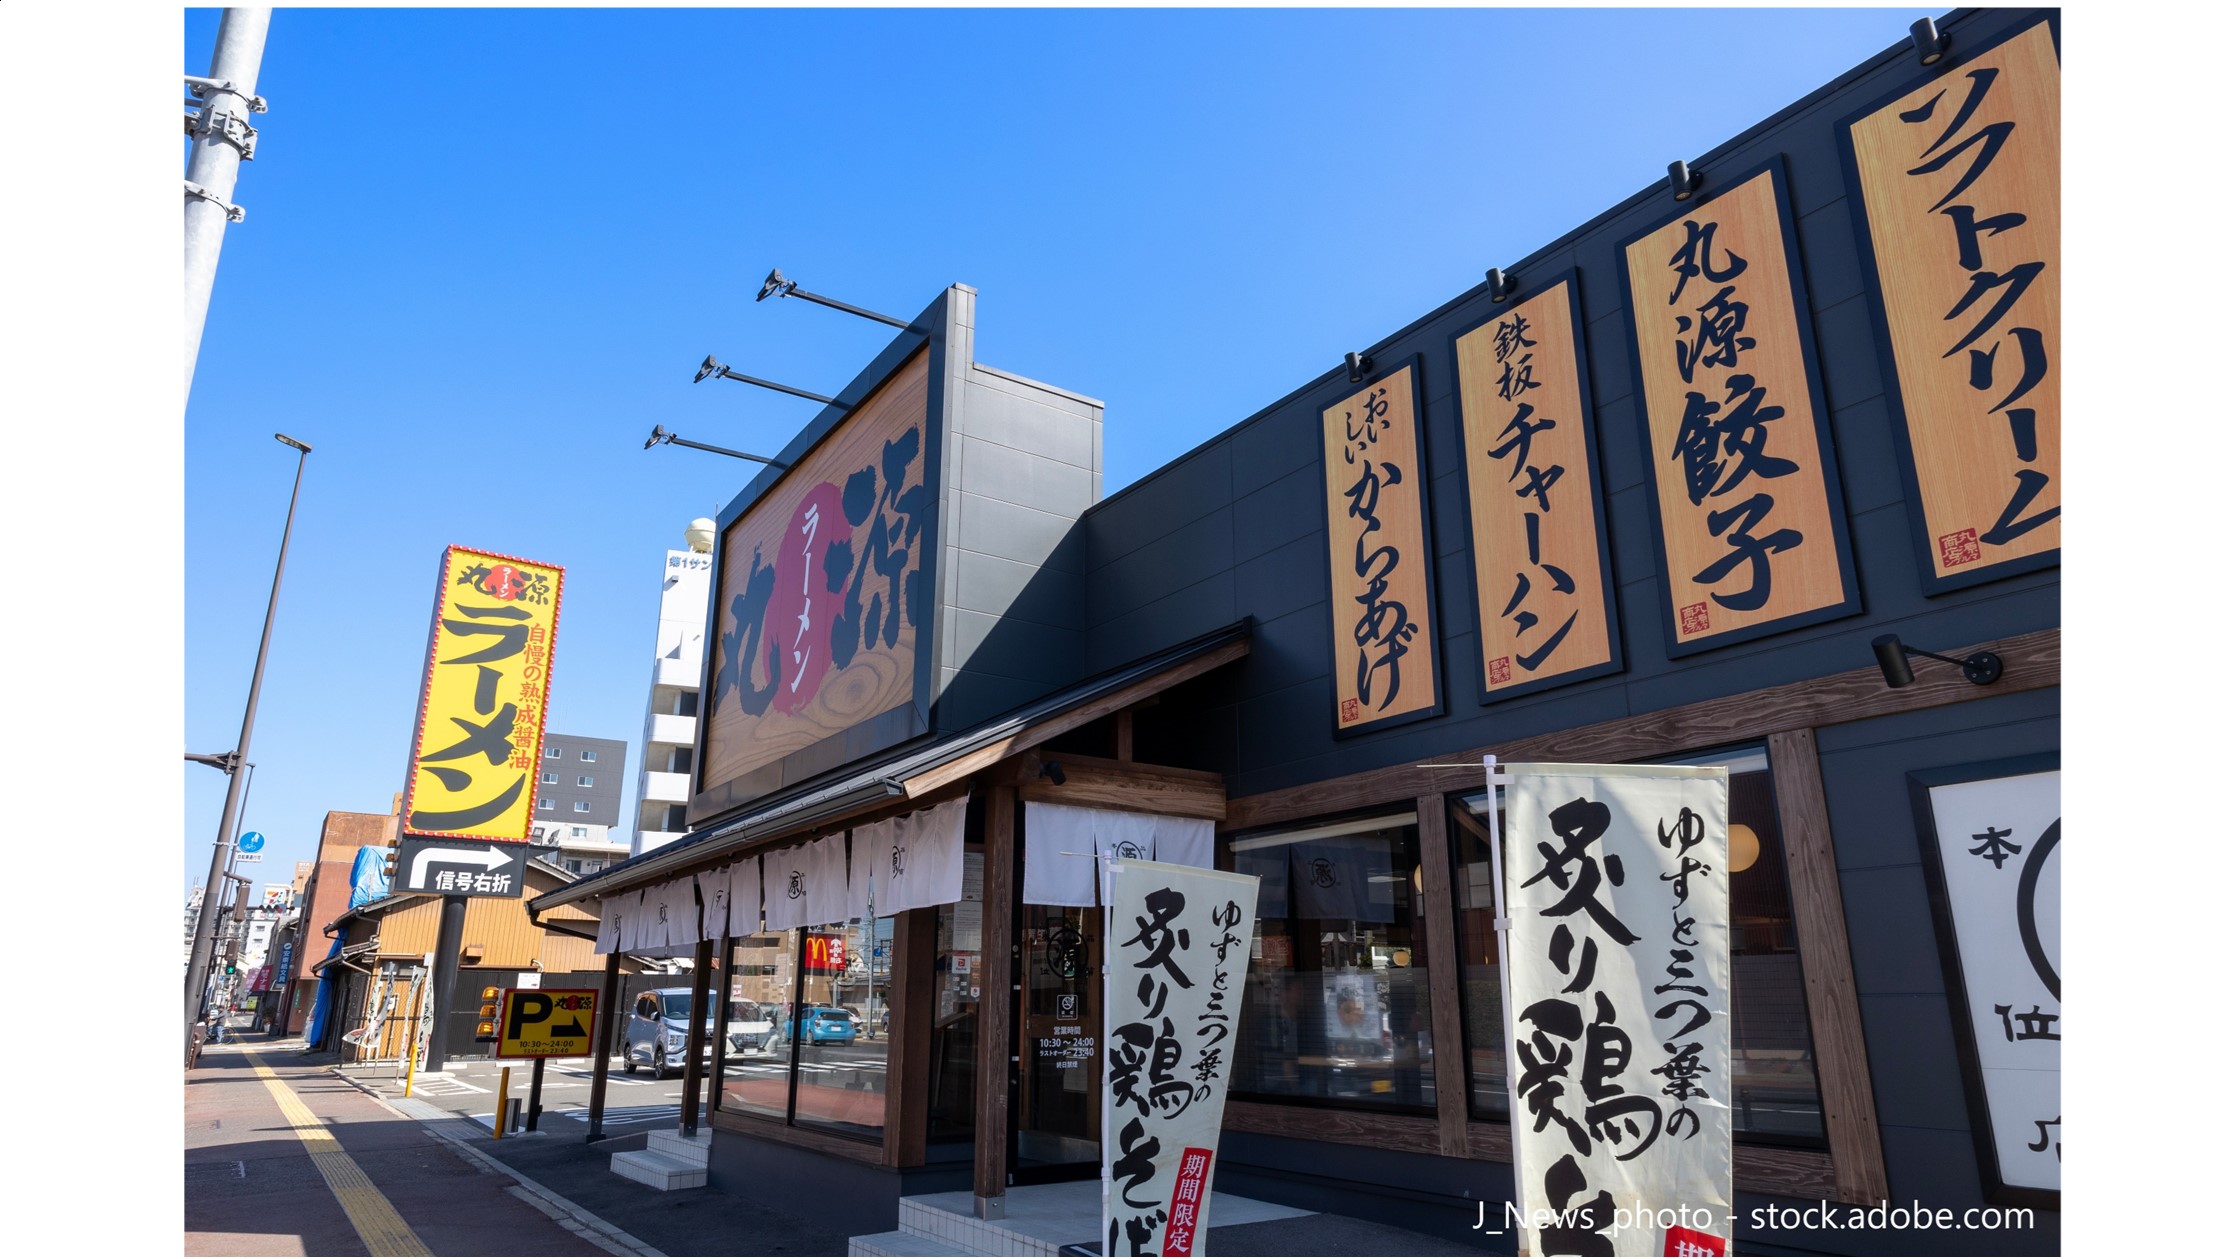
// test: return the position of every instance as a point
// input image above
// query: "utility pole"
(223, 139)
(234, 763)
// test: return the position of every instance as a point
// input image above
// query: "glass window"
(583, 780)
(1338, 1005)
(579, 831)
(544, 802)
(819, 1056)
(1776, 1079)
(756, 1061)
(550, 778)
(591, 756)
(956, 1011)
(552, 754)
(583, 806)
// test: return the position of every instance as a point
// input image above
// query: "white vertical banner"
(1998, 844)
(1615, 890)
(1177, 946)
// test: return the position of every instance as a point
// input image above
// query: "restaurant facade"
(1698, 482)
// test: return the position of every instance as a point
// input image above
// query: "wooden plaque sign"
(1742, 466)
(1539, 560)
(1384, 628)
(1960, 179)
(816, 621)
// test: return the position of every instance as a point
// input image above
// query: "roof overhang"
(914, 773)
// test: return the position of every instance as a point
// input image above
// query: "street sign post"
(455, 867)
(543, 1023)
(248, 848)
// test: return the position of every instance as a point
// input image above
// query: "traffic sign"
(250, 842)
(546, 1023)
(455, 867)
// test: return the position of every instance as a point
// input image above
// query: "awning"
(348, 957)
(913, 773)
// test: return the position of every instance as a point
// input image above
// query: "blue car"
(819, 1025)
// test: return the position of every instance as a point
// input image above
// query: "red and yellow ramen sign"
(482, 700)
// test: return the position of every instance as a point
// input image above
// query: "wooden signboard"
(1384, 627)
(816, 623)
(1539, 559)
(1960, 180)
(1753, 538)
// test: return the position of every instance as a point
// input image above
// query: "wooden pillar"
(998, 964)
(730, 976)
(909, 1037)
(602, 1049)
(1449, 1068)
(696, 1036)
(1824, 948)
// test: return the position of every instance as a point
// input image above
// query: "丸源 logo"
(1323, 873)
(794, 890)
(1128, 848)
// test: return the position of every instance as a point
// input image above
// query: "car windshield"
(678, 1006)
(745, 1012)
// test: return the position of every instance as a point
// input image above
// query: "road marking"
(383, 1231)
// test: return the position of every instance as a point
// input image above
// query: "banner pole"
(1496, 817)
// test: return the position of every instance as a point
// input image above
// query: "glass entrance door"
(1061, 1034)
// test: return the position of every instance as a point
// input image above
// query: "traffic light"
(231, 966)
(486, 1026)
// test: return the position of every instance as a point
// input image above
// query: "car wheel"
(660, 1063)
(629, 1064)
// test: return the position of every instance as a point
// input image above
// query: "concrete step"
(902, 1243)
(692, 1149)
(975, 1236)
(661, 1171)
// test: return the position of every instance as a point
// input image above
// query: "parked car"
(655, 1036)
(818, 1025)
(749, 1027)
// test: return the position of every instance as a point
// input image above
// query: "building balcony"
(683, 674)
(667, 788)
(650, 840)
(671, 729)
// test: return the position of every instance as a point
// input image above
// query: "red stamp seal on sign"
(1695, 618)
(1497, 671)
(1687, 1241)
(1348, 709)
(1955, 549)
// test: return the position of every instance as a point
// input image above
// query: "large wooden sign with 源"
(824, 584)
(1539, 559)
(1753, 538)
(1959, 180)
(1383, 625)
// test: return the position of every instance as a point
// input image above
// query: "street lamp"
(663, 437)
(198, 968)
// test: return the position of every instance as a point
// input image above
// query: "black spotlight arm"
(1983, 668)
(783, 287)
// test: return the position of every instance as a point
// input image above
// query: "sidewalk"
(295, 1161)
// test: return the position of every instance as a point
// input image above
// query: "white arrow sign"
(487, 858)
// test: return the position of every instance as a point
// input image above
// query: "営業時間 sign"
(1742, 462)
(482, 700)
(1960, 183)
(1384, 628)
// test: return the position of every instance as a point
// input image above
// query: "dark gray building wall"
(1235, 527)
(604, 795)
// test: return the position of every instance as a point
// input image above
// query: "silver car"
(655, 1036)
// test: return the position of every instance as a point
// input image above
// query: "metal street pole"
(198, 970)
(223, 138)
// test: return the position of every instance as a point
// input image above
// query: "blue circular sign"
(250, 841)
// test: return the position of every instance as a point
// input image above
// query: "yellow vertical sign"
(482, 699)
(1384, 629)
(1961, 183)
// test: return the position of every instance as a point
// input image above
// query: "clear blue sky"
(487, 249)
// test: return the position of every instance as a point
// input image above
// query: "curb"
(563, 1212)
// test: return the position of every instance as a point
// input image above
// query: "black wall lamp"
(1499, 284)
(663, 437)
(1683, 180)
(1982, 668)
(709, 367)
(777, 283)
(1930, 43)
(1358, 366)
(1055, 772)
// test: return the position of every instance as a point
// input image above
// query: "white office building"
(673, 704)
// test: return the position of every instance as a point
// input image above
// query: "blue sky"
(486, 250)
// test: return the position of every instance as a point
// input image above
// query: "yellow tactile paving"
(379, 1226)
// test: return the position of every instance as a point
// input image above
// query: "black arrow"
(572, 1027)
